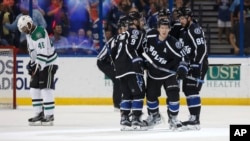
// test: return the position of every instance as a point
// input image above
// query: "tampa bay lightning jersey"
(164, 54)
(194, 43)
(129, 47)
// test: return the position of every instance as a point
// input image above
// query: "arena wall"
(79, 82)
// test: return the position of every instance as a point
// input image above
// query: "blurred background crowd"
(81, 27)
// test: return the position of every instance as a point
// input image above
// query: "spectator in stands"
(224, 22)
(84, 44)
(81, 43)
(233, 18)
(118, 9)
(177, 5)
(93, 7)
(106, 7)
(246, 6)
(72, 38)
(56, 14)
(153, 15)
(89, 36)
(235, 35)
(60, 42)
(38, 20)
(5, 17)
(13, 6)
(36, 6)
(9, 3)
(78, 14)
(143, 7)
(97, 31)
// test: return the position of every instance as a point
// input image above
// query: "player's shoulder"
(172, 38)
(152, 33)
(121, 36)
(174, 42)
(134, 31)
(111, 39)
(195, 29)
(38, 33)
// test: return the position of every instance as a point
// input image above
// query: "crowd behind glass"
(74, 26)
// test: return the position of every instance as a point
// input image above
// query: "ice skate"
(175, 124)
(153, 119)
(125, 123)
(48, 120)
(192, 124)
(137, 124)
(36, 121)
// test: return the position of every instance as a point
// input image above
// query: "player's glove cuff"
(137, 65)
(195, 70)
(31, 66)
(182, 70)
(137, 60)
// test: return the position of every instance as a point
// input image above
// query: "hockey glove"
(182, 70)
(195, 70)
(137, 65)
(146, 64)
(31, 67)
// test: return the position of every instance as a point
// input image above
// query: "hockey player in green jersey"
(42, 68)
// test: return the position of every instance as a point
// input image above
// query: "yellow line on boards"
(109, 101)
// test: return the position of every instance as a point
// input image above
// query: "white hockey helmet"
(23, 22)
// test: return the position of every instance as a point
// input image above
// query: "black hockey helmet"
(163, 12)
(184, 11)
(133, 15)
(123, 21)
(163, 21)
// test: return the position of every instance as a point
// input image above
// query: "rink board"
(79, 82)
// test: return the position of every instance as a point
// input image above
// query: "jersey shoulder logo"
(135, 32)
(178, 45)
(197, 30)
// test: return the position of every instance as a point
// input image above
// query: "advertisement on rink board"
(227, 77)
(83, 79)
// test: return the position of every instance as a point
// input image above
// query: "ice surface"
(101, 123)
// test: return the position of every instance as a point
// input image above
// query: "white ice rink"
(101, 123)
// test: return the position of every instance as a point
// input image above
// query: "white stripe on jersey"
(152, 36)
(177, 54)
(194, 43)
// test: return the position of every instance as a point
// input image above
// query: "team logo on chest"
(39, 35)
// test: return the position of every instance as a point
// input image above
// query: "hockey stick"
(167, 70)
(37, 67)
(110, 56)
